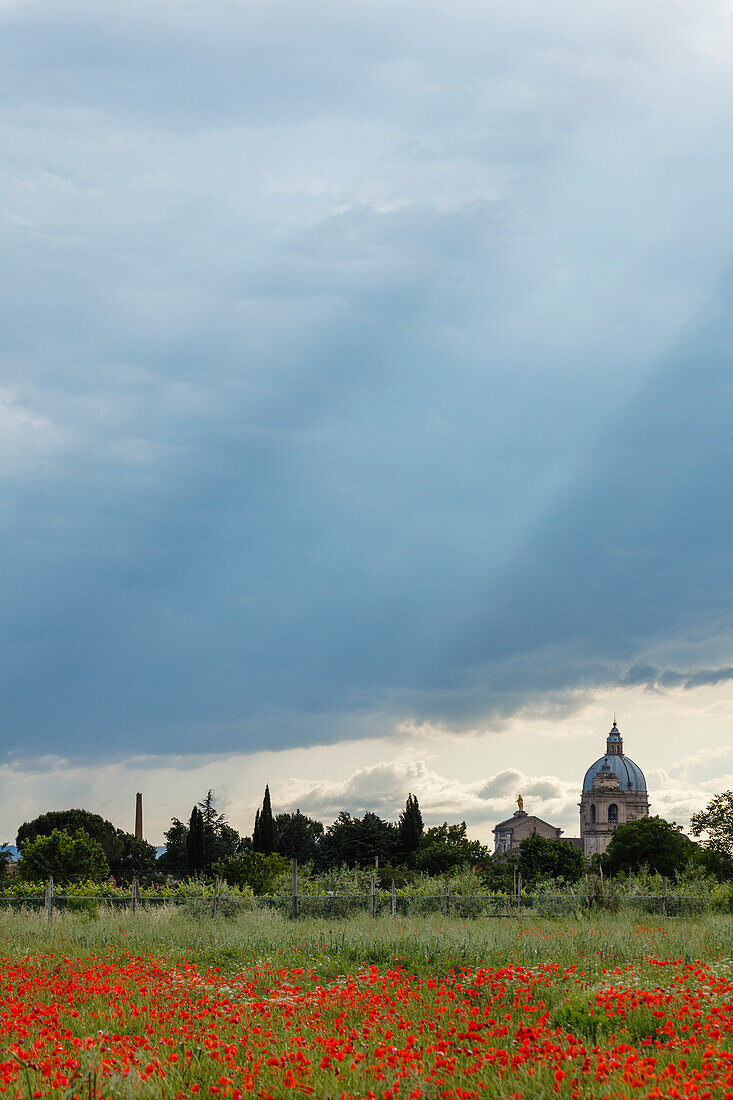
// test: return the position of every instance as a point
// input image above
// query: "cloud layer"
(364, 365)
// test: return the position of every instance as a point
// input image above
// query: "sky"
(364, 404)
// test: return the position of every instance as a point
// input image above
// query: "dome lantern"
(614, 741)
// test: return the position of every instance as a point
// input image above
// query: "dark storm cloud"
(654, 679)
(634, 556)
(361, 363)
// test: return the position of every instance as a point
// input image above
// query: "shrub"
(254, 870)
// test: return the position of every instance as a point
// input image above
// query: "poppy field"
(160, 1005)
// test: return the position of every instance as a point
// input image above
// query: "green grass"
(426, 945)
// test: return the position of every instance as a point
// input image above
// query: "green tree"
(195, 841)
(445, 847)
(354, 840)
(410, 827)
(68, 859)
(542, 858)
(211, 819)
(6, 857)
(122, 851)
(175, 856)
(220, 839)
(70, 821)
(649, 842)
(137, 855)
(263, 837)
(714, 861)
(227, 841)
(253, 869)
(716, 820)
(267, 824)
(299, 837)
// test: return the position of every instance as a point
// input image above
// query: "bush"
(254, 870)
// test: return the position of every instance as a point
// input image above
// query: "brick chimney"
(138, 816)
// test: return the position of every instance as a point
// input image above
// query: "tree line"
(77, 845)
(207, 839)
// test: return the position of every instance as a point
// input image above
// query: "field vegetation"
(425, 945)
(161, 1004)
(420, 965)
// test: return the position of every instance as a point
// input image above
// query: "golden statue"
(520, 803)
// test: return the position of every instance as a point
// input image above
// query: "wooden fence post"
(294, 904)
(519, 893)
(134, 896)
(49, 898)
(664, 897)
(446, 898)
(373, 896)
(215, 903)
(394, 901)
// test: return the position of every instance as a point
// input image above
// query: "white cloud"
(384, 787)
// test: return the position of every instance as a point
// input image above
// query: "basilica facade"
(614, 792)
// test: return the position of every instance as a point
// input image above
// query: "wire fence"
(376, 905)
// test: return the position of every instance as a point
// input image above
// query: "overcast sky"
(365, 403)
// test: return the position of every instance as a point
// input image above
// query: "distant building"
(509, 834)
(614, 792)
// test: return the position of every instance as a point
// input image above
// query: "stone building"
(509, 834)
(614, 791)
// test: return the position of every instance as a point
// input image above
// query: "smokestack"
(138, 816)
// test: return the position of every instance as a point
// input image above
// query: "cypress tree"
(264, 835)
(195, 840)
(411, 826)
(267, 825)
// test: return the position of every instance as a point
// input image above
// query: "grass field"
(165, 1004)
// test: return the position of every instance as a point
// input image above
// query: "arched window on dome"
(592, 815)
(613, 814)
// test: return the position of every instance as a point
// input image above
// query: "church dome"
(630, 775)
